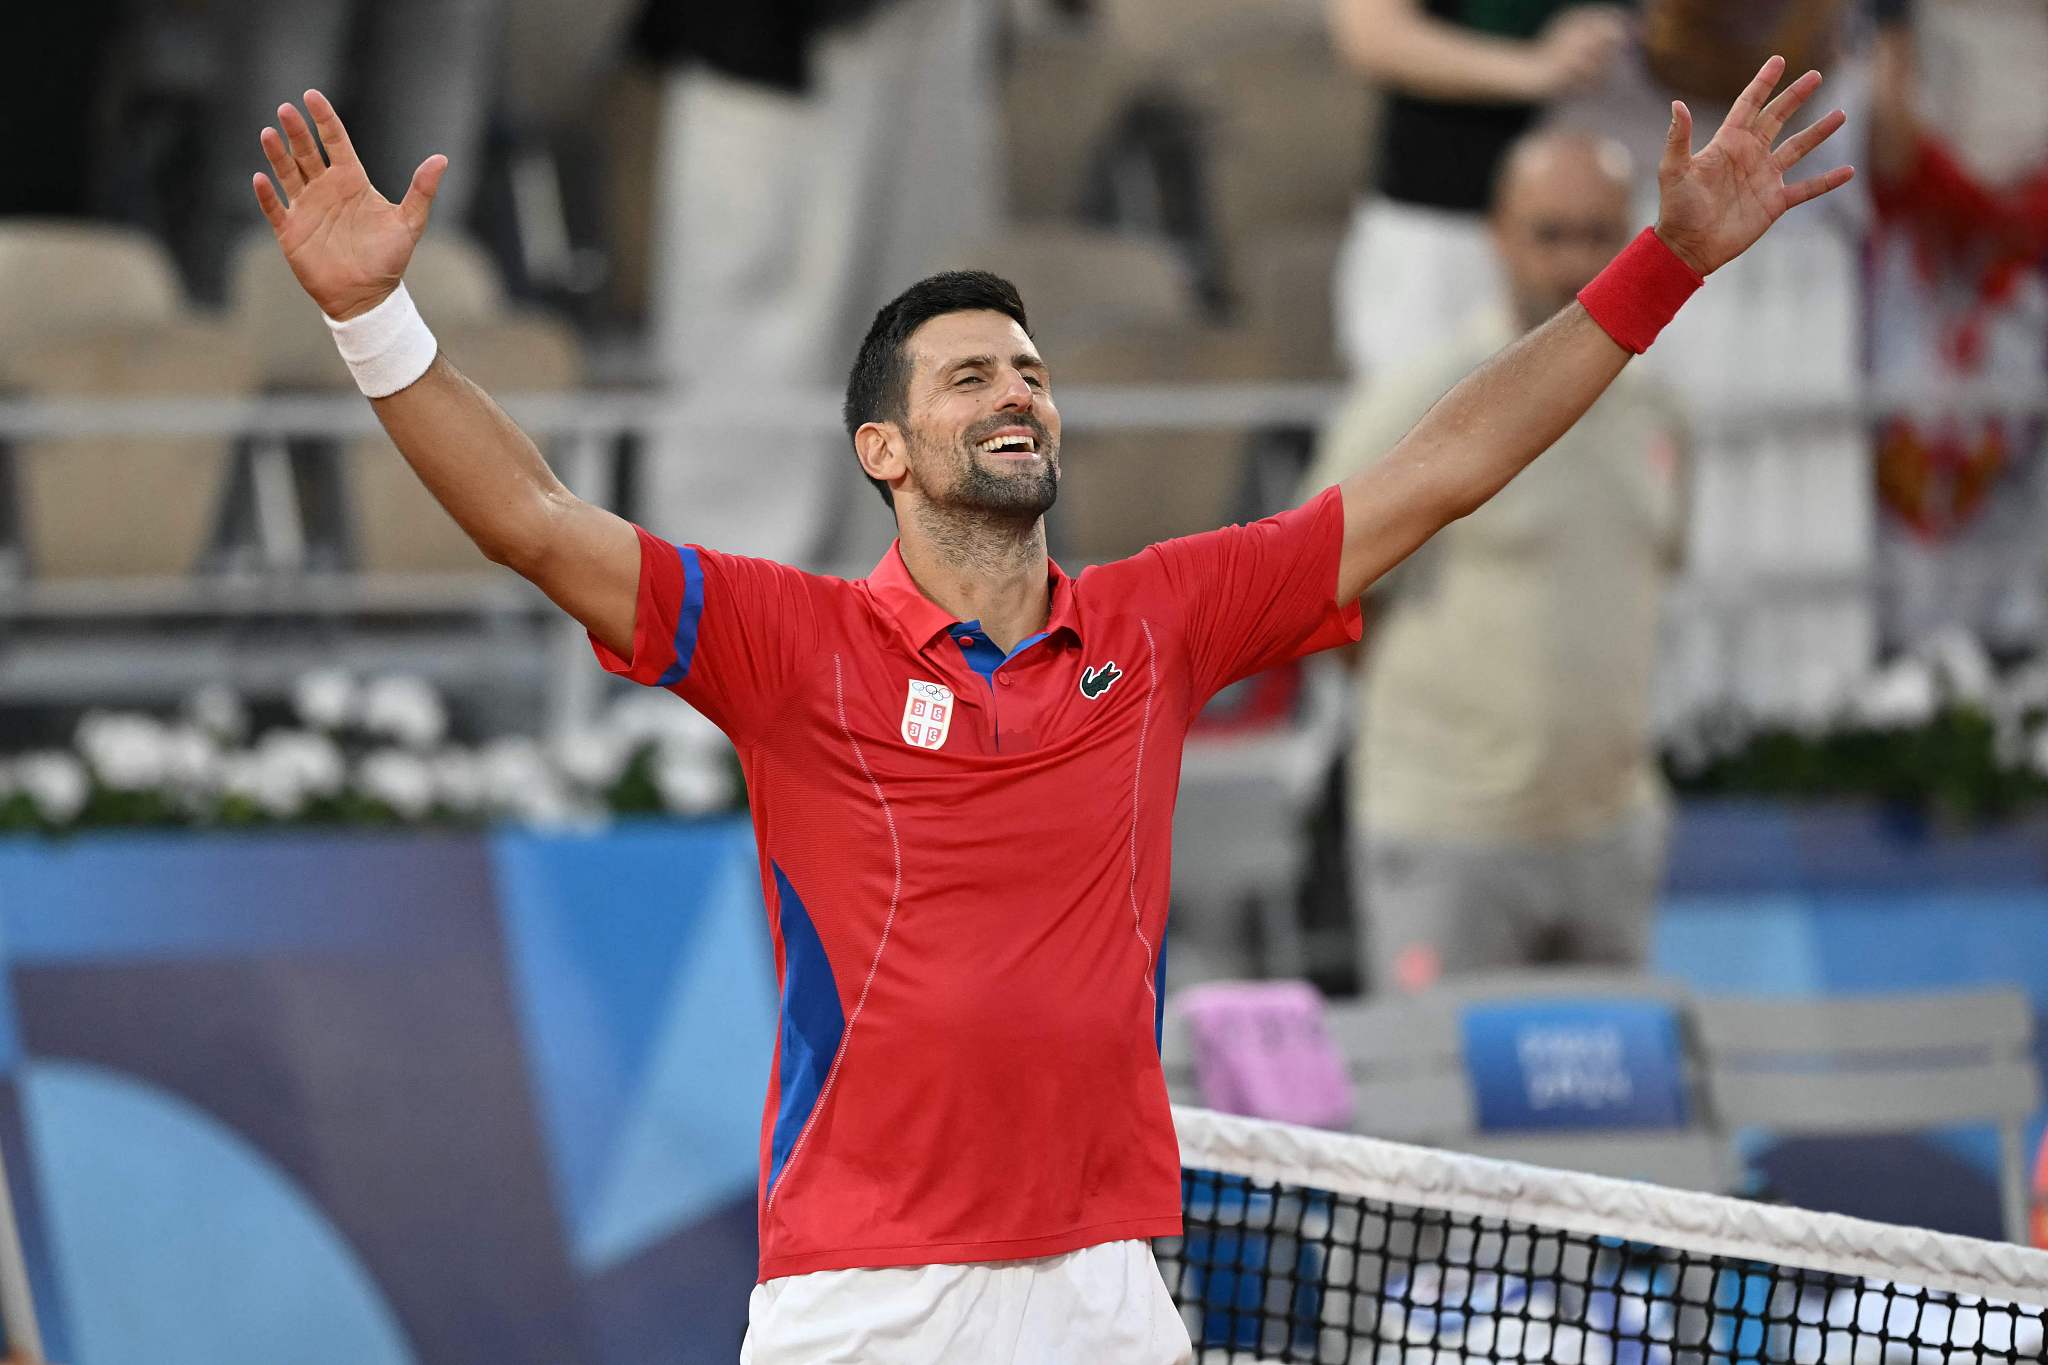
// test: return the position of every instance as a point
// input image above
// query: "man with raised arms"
(962, 768)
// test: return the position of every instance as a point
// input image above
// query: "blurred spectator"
(1507, 806)
(815, 157)
(1769, 358)
(412, 77)
(55, 86)
(1958, 314)
(1465, 79)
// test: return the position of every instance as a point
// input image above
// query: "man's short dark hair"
(878, 389)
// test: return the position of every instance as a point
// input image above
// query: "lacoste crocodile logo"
(1098, 680)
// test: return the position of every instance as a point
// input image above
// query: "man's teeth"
(996, 443)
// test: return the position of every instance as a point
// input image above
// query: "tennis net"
(1302, 1245)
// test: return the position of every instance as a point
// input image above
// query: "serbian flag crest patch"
(927, 714)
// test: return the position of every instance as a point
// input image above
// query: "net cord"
(1601, 1206)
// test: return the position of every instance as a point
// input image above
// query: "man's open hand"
(347, 244)
(1716, 203)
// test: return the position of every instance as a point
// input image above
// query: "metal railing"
(582, 431)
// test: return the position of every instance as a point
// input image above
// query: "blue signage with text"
(1575, 1064)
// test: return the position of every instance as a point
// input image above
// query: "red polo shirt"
(966, 875)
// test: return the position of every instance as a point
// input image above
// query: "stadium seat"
(1062, 94)
(1417, 1082)
(451, 278)
(395, 524)
(1081, 283)
(1175, 30)
(1283, 275)
(94, 312)
(76, 277)
(1123, 489)
(391, 523)
(1241, 843)
(1289, 133)
(1879, 1064)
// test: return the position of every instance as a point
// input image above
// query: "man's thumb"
(1677, 142)
(419, 196)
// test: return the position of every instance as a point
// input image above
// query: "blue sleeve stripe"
(686, 619)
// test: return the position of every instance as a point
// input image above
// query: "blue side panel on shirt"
(1159, 994)
(686, 618)
(812, 1024)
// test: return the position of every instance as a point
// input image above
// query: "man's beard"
(1027, 491)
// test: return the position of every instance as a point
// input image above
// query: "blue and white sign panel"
(1575, 1064)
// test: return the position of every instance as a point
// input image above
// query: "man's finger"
(1744, 110)
(296, 131)
(334, 137)
(1799, 144)
(267, 200)
(281, 164)
(1780, 110)
(1798, 194)
(1677, 141)
(419, 196)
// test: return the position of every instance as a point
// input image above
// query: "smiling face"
(980, 431)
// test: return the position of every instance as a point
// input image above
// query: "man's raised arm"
(349, 246)
(1714, 206)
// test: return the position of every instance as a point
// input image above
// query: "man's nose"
(1014, 395)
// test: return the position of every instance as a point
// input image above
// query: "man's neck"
(980, 569)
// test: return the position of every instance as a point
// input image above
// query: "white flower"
(2026, 687)
(56, 783)
(549, 807)
(218, 710)
(592, 759)
(458, 780)
(274, 787)
(311, 762)
(1959, 660)
(126, 751)
(519, 781)
(191, 760)
(1900, 697)
(401, 780)
(691, 782)
(325, 699)
(406, 709)
(513, 768)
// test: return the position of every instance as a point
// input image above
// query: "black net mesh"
(1280, 1272)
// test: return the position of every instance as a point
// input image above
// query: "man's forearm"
(476, 462)
(1474, 440)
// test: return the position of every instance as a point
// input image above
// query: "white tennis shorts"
(1102, 1305)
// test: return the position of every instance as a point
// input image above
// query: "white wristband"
(386, 348)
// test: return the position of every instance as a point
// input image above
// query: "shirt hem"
(966, 1253)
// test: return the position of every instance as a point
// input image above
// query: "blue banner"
(1575, 1064)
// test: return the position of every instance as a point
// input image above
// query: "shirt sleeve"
(720, 631)
(1250, 597)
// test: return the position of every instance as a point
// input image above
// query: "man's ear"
(882, 450)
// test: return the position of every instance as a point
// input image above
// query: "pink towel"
(1260, 1049)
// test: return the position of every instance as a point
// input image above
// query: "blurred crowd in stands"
(1839, 451)
(717, 196)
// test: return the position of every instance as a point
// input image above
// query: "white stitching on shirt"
(1137, 780)
(895, 896)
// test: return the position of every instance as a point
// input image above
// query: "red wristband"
(1640, 291)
